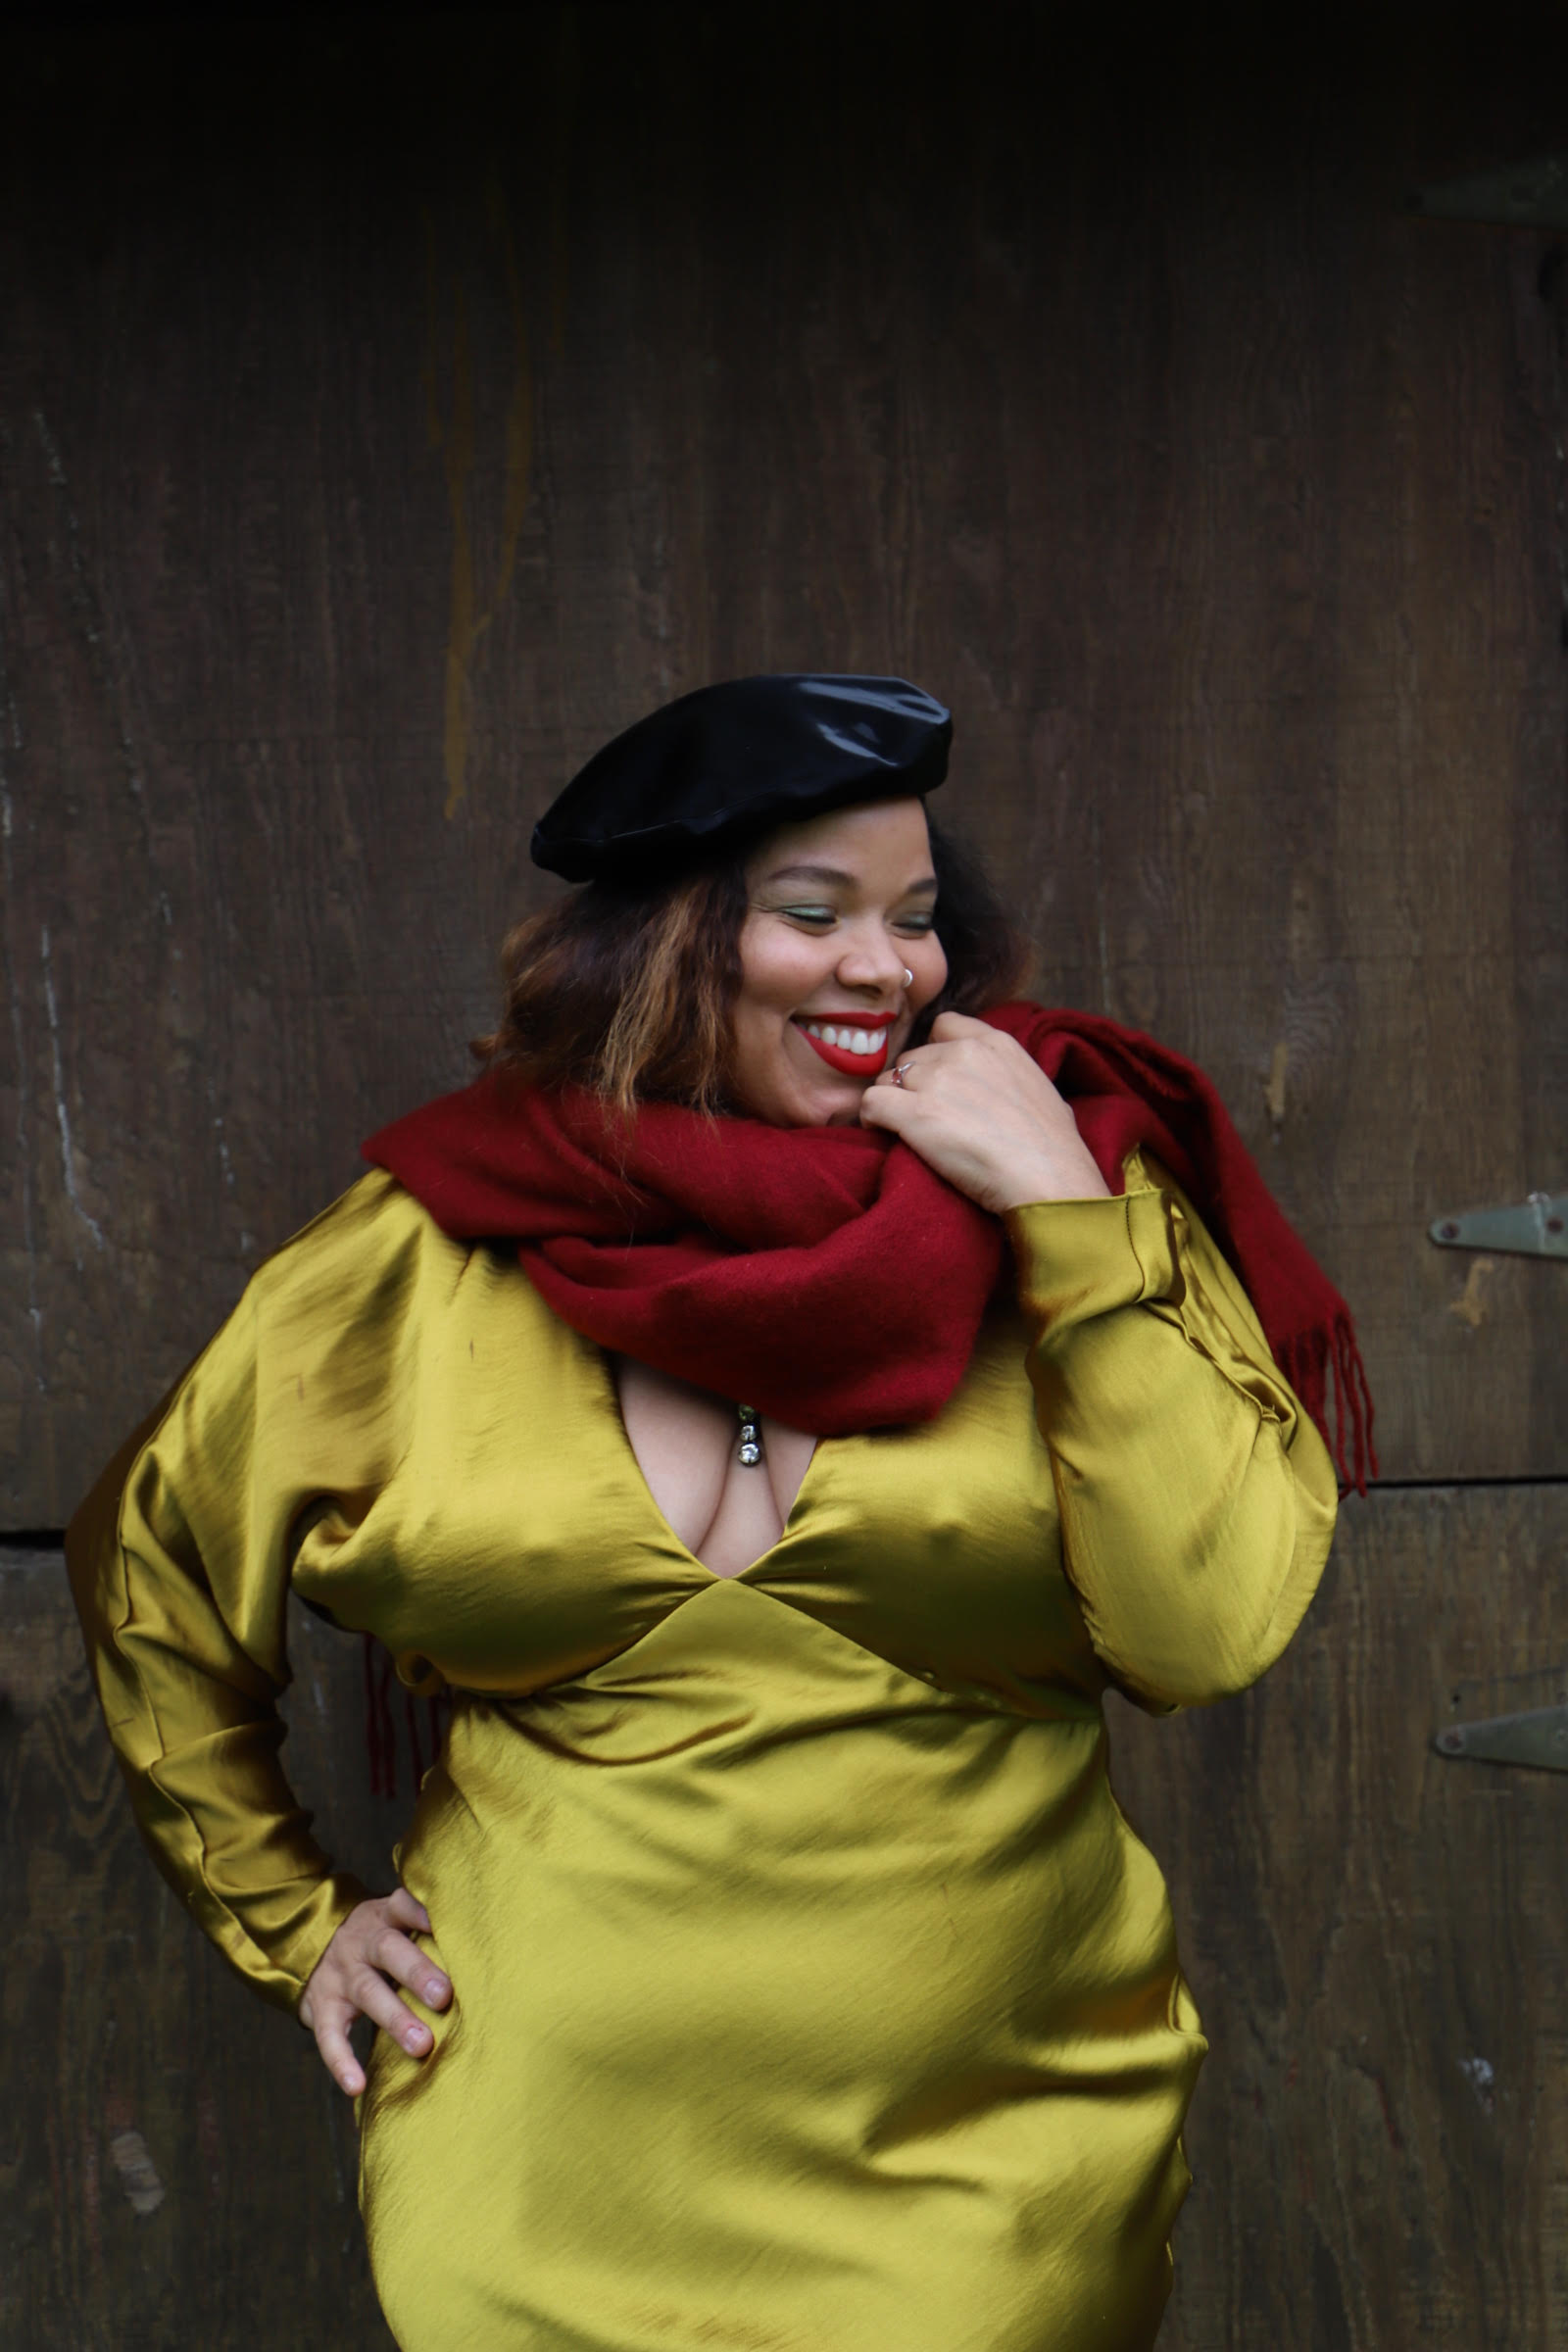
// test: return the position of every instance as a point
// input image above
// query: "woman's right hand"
(355, 1976)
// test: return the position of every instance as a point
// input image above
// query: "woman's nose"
(871, 961)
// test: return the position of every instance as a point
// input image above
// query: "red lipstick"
(839, 1058)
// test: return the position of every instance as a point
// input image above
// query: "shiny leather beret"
(736, 758)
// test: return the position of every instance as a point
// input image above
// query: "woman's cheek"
(933, 980)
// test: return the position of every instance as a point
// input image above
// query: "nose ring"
(909, 977)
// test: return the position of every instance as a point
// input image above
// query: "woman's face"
(838, 910)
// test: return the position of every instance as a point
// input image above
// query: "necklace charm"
(751, 1445)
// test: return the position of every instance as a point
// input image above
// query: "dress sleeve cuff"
(1077, 1259)
(296, 1961)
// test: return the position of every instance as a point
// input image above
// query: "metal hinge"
(1536, 1228)
(1532, 194)
(1538, 1739)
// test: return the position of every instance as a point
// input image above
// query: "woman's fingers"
(408, 1910)
(406, 1964)
(375, 1999)
(331, 2022)
(351, 1980)
(880, 1106)
(976, 1108)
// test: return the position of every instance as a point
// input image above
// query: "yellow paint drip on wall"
(1470, 1306)
(1274, 1085)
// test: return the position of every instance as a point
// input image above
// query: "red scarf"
(827, 1275)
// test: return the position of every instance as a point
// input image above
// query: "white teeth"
(849, 1040)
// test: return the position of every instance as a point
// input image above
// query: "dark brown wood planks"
(373, 448)
(178, 2169)
(1377, 1940)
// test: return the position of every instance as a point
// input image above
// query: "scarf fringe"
(1308, 1359)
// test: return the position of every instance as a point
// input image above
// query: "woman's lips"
(844, 1058)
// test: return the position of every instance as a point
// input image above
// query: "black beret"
(736, 758)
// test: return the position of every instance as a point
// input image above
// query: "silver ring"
(909, 977)
(899, 1070)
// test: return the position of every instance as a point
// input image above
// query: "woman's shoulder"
(374, 1241)
(375, 1218)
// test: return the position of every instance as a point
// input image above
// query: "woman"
(775, 1415)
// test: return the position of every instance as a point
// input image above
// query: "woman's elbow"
(1214, 1599)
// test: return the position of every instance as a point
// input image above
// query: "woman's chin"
(832, 1100)
(839, 1106)
(831, 1105)
(797, 1097)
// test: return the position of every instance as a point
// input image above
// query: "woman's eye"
(821, 917)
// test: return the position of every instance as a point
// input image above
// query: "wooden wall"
(390, 409)
(391, 413)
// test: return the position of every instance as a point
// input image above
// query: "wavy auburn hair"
(627, 988)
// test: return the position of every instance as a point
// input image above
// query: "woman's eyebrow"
(835, 873)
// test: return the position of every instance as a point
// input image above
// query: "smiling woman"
(631, 987)
(838, 960)
(775, 1400)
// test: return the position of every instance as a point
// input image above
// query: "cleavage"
(686, 1444)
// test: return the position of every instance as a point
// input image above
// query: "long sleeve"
(180, 1563)
(1198, 1499)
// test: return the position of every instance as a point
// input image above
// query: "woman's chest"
(723, 1476)
(518, 1542)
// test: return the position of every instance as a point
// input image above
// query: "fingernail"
(437, 1989)
(415, 2037)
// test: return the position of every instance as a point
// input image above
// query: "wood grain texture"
(1377, 1940)
(388, 416)
(163, 2128)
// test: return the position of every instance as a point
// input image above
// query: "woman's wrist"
(1034, 1181)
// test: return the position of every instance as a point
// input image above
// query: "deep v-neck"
(638, 1477)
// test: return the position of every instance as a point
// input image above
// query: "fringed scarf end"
(1307, 1362)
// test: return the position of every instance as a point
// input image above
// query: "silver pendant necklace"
(750, 1453)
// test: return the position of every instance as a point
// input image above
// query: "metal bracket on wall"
(1536, 1228)
(1538, 1739)
(1533, 194)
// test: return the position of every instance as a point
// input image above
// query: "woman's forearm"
(1197, 1500)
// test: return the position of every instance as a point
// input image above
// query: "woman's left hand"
(985, 1115)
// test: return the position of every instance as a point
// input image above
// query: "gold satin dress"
(812, 1994)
